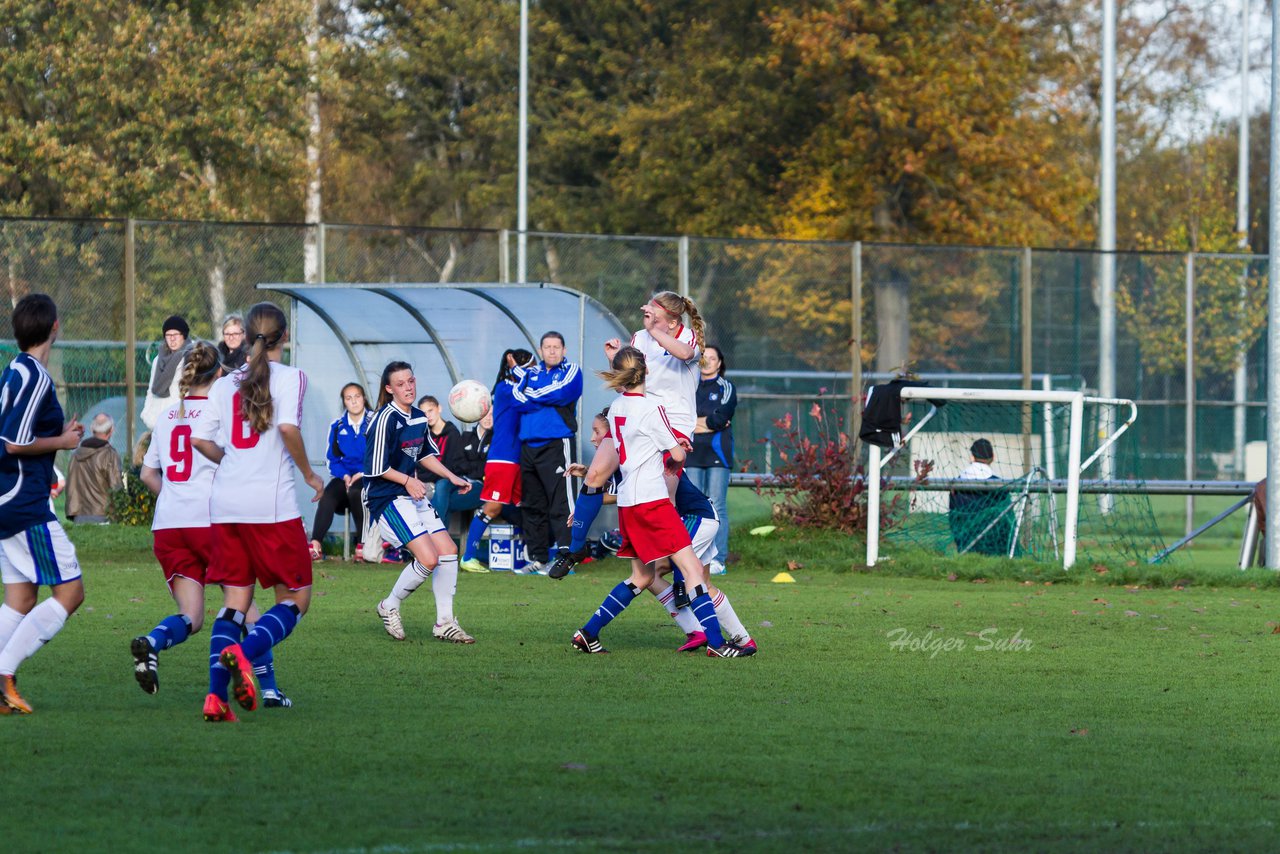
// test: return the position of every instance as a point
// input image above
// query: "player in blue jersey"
(34, 550)
(397, 443)
(501, 490)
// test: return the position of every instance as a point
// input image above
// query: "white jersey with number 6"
(254, 482)
(641, 433)
(187, 473)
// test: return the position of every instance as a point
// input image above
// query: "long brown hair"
(384, 396)
(265, 328)
(676, 305)
(199, 368)
(629, 369)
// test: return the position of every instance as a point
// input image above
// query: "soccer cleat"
(216, 710)
(242, 684)
(359, 552)
(473, 565)
(717, 568)
(533, 567)
(680, 596)
(693, 641)
(584, 642)
(730, 650)
(393, 555)
(145, 662)
(391, 621)
(750, 644)
(11, 698)
(450, 631)
(273, 698)
(564, 563)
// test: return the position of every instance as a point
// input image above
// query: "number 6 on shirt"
(242, 435)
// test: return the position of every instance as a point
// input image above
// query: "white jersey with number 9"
(187, 473)
(254, 482)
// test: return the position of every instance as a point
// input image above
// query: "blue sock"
(620, 597)
(273, 627)
(171, 631)
(676, 575)
(265, 669)
(706, 614)
(585, 512)
(226, 631)
(479, 524)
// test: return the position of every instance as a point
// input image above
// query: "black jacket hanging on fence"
(882, 418)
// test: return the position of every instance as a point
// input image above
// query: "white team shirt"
(254, 482)
(641, 432)
(672, 382)
(188, 474)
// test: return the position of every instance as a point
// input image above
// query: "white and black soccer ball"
(469, 401)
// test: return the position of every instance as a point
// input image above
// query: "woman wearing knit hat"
(166, 370)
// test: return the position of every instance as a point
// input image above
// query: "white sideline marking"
(871, 828)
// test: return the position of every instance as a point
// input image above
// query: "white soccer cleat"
(452, 632)
(391, 621)
(717, 568)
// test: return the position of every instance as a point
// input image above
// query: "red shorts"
(651, 530)
(185, 552)
(272, 552)
(501, 483)
(670, 467)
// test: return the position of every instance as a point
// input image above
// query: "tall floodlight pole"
(1107, 231)
(1273, 307)
(1241, 389)
(522, 179)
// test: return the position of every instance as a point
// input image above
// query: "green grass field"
(1130, 717)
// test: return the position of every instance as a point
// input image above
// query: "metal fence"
(797, 320)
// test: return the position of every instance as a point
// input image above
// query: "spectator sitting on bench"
(972, 511)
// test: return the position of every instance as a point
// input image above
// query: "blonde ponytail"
(198, 369)
(629, 370)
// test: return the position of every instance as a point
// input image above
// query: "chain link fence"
(797, 320)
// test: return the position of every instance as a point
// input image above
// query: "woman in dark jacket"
(711, 460)
(231, 349)
(346, 463)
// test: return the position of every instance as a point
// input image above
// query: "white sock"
(683, 616)
(729, 622)
(36, 629)
(411, 578)
(9, 620)
(445, 584)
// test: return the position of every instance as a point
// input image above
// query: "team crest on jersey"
(713, 397)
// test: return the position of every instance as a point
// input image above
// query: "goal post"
(937, 442)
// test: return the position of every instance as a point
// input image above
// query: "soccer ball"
(469, 401)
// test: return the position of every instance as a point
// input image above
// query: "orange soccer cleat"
(217, 711)
(242, 684)
(12, 700)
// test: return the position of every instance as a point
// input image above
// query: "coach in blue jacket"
(547, 397)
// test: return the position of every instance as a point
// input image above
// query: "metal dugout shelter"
(449, 332)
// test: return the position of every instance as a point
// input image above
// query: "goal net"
(1045, 475)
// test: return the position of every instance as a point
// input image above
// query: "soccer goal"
(1044, 475)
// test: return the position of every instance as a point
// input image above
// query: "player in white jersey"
(651, 528)
(250, 427)
(182, 480)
